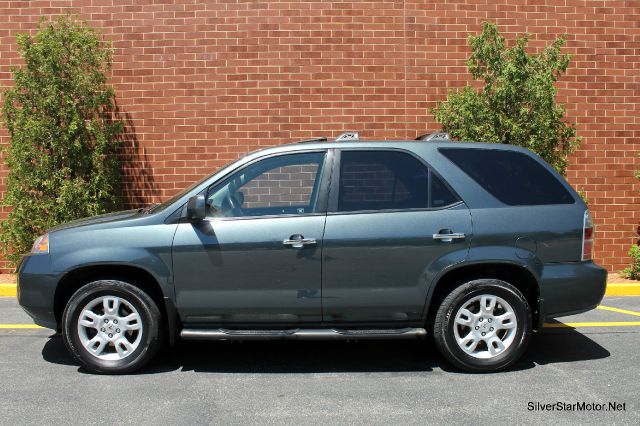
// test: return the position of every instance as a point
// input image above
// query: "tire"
(118, 321)
(458, 334)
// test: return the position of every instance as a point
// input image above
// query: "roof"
(401, 143)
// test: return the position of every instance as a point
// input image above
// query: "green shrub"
(633, 271)
(62, 154)
(517, 101)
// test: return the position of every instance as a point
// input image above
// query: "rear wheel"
(483, 325)
(112, 327)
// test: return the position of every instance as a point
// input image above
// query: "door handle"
(298, 241)
(448, 237)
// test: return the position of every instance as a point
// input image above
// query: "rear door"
(392, 224)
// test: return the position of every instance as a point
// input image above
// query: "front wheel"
(483, 325)
(111, 327)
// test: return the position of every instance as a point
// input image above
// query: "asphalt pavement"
(367, 382)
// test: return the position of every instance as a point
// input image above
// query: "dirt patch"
(615, 277)
(7, 279)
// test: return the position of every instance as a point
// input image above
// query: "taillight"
(587, 237)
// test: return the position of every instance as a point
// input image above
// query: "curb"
(632, 289)
(8, 290)
(613, 289)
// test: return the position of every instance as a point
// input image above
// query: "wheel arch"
(73, 280)
(517, 275)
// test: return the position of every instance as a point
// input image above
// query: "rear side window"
(512, 177)
(384, 180)
(441, 195)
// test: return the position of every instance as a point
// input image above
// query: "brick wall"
(201, 82)
(283, 186)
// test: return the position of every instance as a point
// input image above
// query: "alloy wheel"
(110, 328)
(485, 326)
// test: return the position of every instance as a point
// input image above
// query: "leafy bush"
(516, 104)
(633, 271)
(62, 155)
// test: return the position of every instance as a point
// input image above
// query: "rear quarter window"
(512, 177)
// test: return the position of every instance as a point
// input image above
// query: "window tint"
(380, 180)
(512, 177)
(286, 184)
(441, 196)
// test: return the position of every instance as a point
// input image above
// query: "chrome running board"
(301, 334)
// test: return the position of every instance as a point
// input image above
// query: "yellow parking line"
(620, 311)
(19, 326)
(592, 324)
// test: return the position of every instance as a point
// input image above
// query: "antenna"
(318, 139)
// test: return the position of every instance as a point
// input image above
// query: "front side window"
(286, 184)
(388, 180)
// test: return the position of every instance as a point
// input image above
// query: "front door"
(387, 233)
(256, 259)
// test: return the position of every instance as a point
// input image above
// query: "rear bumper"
(36, 289)
(571, 288)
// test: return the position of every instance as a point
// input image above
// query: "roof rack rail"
(434, 136)
(348, 136)
(318, 139)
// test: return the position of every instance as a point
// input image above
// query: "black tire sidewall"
(149, 315)
(523, 332)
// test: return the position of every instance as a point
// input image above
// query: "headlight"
(41, 246)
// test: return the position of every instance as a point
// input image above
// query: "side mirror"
(196, 208)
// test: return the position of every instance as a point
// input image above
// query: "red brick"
(203, 83)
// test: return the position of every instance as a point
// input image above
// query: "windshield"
(160, 207)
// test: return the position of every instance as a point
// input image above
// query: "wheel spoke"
(505, 321)
(123, 347)
(495, 346)
(488, 303)
(96, 345)
(111, 305)
(465, 317)
(469, 343)
(132, 322)
(90, 319)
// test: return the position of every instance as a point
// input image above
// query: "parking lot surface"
(288, 382)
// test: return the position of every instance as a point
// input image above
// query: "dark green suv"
(475, 244)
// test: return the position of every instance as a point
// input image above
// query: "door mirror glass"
(196, 208)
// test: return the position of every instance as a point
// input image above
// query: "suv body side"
(542, 240)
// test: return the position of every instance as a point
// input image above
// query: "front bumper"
(36, 289)
(571, 288)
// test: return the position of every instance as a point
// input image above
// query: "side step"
(301, 334)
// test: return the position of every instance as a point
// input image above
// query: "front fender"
(145, 247)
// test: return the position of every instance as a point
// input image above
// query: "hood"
(100, 219)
